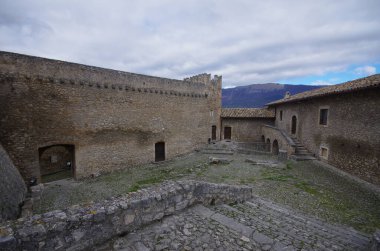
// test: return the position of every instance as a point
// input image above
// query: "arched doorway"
(159, 151)
(267, 147)
(275, 149)
(263, 138)
(56, 162)
(294, 125)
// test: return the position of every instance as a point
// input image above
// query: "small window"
(323, 114)
(281, 115)
(53, 159)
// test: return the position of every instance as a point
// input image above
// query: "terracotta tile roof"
(247, 113)
(350, 86)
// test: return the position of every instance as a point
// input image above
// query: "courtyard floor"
(306, 187)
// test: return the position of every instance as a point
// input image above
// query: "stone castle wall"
(246, 130)
(12, 188)
(113, 119)
(352, 134)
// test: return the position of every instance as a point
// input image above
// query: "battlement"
(127, 87)
(56, 71)
(204, 78)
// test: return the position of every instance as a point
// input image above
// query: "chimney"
(287, 95)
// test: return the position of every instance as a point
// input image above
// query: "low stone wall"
(255, 146)
(375, 241)
(81, 227)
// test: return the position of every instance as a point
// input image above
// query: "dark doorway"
(294, 125)
(213, 132)
(275, 149)
(160, 151)
(263, 138)
(267, 147)
(56, 162)
(227, 132)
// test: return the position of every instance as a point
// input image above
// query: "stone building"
(338, 124)
(82, 120)
(244, 124)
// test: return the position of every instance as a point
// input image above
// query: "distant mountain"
(258, 95)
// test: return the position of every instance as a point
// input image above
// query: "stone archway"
(268, 145)
(275, 148)
(56, 162)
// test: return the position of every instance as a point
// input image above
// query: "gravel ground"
(307, 187)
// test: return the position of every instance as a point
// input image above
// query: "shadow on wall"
(12, 188)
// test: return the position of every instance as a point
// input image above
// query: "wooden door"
(227, 132)
(160, 151)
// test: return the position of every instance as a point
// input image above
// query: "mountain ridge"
(258, 95)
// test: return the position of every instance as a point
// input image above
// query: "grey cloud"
(245, 41)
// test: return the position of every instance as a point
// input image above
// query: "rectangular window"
(53, 159)
(281, 115)
(323, 114)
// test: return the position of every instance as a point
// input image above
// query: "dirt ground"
(308, 187)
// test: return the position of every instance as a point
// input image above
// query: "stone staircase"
(257, 224)
(301, 153)
(291, 229)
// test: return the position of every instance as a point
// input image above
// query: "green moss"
(280, 177)
(134, 188)
(289, 166)
(306, 187)
(248, 180)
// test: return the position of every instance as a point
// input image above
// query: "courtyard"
(308, 187)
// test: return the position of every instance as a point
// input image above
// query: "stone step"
(303, 151)
(301, 157)
(217, 152)
(275, 227)
(290, 228)
(301, 147)
(309, 220)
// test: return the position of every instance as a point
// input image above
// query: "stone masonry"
(352, 134)
(12, 188)
(111, 119)
(83, 226)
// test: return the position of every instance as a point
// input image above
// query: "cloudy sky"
(246, 41)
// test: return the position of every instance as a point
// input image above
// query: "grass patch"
(134, 188)
(280, 177)
(306, 187)
(289, 166)
(146, 182)
(248, 180)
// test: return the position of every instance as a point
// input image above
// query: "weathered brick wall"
(12, 188)
(112, 118)
(352, 135)
(246, 130)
